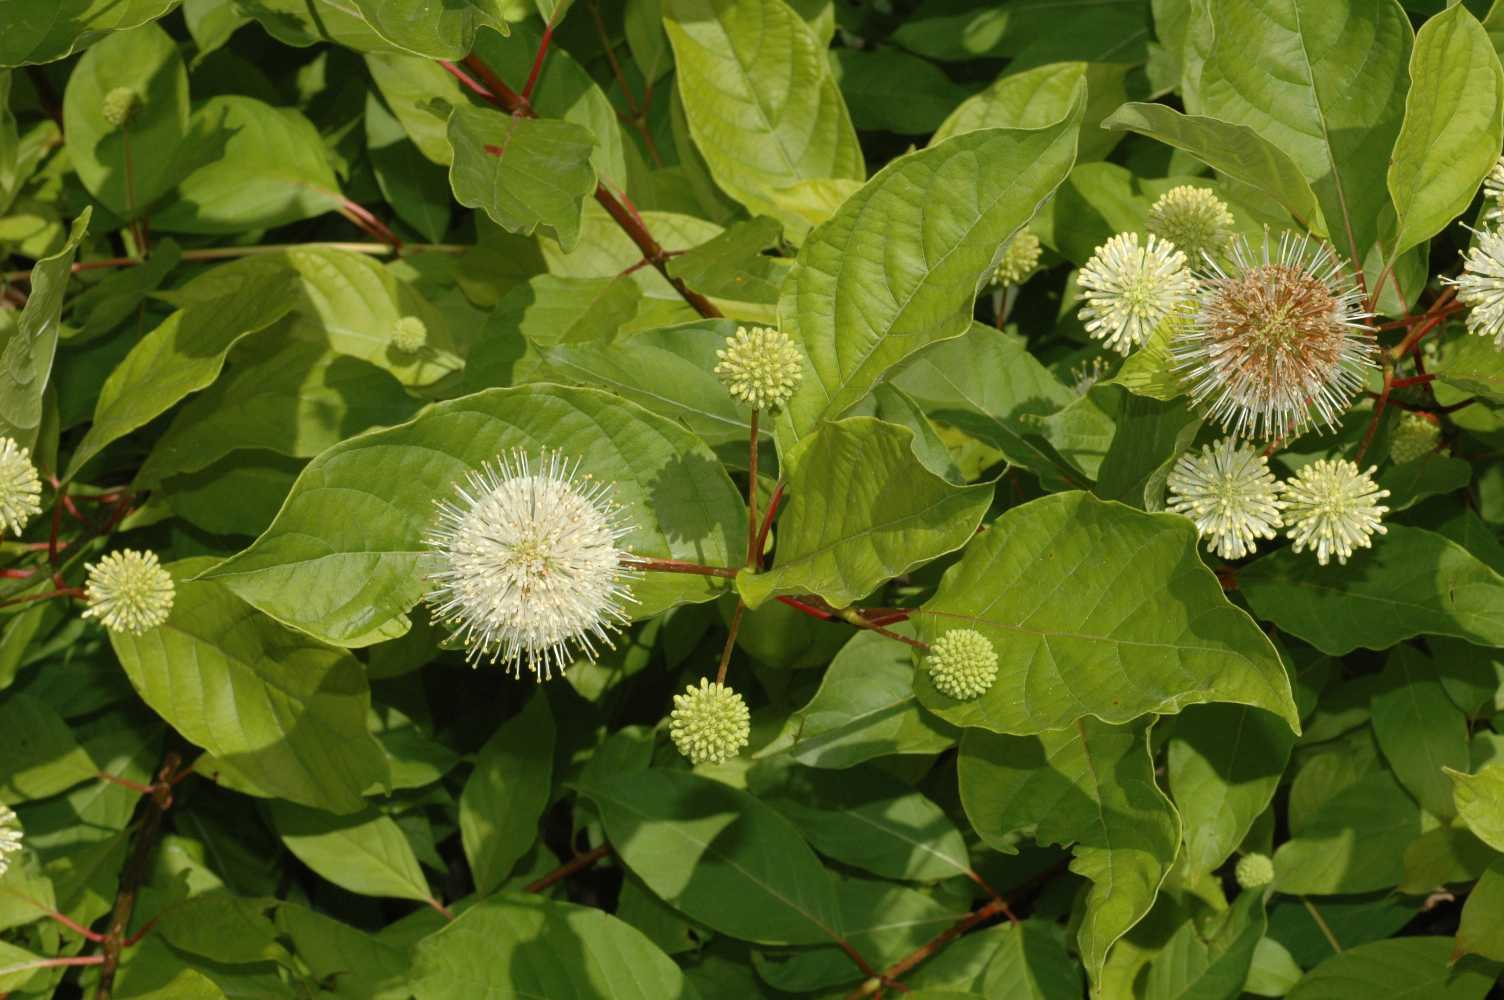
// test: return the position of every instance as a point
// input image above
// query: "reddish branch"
(494, 90)
(579, 863)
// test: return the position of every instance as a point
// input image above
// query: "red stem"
(677, 566)
(767, 521)
(577, 864)
(1401, 383)
(532, 76)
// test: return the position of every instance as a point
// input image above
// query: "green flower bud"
(120, 106)
(963, 664)
(409, 335)
(1254, 871)
(1020, 258)
(1193, 219)
(760, 367)
(709, 723)
(1415, 436)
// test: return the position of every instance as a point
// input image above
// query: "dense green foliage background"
(296, 787)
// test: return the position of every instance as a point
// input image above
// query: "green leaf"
(1091, 787)
(719, 856)
(420, 95)
(41, 31)
(864, 708)
(1151, 435)
(1481, 931)
(438, 31)
(891, 91)
(42, 756)
(1197, 965)
(28, 345)
(1454, 120)
(257, 167)
(1031, 963)
(1473, 364)
(417, 190)
(365, 852)
(1411, 482)
(1480, 802)
(1285, 69)
(345, 559)
(1037, 97)
(144, 61)
(1419, 729)
(182, 355)
(515, 947)
(524, 172)
(286, 713)
(506, 794)
(1223, 764)
(1097, 609)
(1412, 582)
(1355, 843)
(862, 509)
(761, 103)
(359, 963)
(1233, 150)
(296, 399)
(898, 267)
(1402, 967)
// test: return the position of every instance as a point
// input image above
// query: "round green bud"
(120, 106)
(1254, 871)
(709, 723)
(760, 367)
(1415, 436)
(962, 664)
(409, 335)
(1020, 258)
(1193, 219)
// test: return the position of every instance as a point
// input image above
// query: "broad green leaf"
(606, 251)
(41, 31)
(1412, 582)
(417, 190)
(1151, 434)
(129, 167)
(1041, 96)
(889, 90)
(1356, 843)
(1403, 967)
(420, 95)
(862, 509)
(1233, 150)
(286, 713)
(1197, 965)
(760, 100)
(898, 267)
(295, 399)
(365, 852)
(524, 172)
(357, 963)
(345, 559)
(734, 265)
(864, 708)
(28, 345)
(257, 167)
(515, 947)
(550, 310)
(43, 757)
(1480, 802)
(1223, 765)
(1091, 787)
(1286, 69)
(1419, 729)
(1411, 482)
(1481, 931)
(181, 356)
(719, 856)
(1474, 365)
(438, 31)
(1444, 855)
(1096, 609)
(1031, 963)
(506, 794)
(864, 818)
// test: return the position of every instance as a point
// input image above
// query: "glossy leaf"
(28, 346)
(438, 31)
(364, 853)
(39, 31)
(1480, 802)
(1419, 729)
(506, 794)
(1417, 966)
(1355, 843)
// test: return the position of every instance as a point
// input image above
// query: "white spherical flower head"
(409, 335)
(962, 664)
(1481, 285)
(709, 723)
(1332, 507)
(20, 487)
(1133, 291)
(531, 567)
(1415, 436)
(1192, 218)
(761, 367)
(128, 591)
(1493, 193)
(1278, 340)
(1230, 493)
(1254, 871)
(10, 836)
(119, 106)
(1020, 258)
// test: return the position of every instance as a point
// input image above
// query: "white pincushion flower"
(962, 664)
(1020, 258)
(1331, 507)
(1481, 286)
(1493, 191)
(1134, 291)
(710, 723)
(10, 836)
(1230, 493)
(1279, 339)
(20, 487)
(761, 367)
(1192, 218)
(128, 591)
(531, 569)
